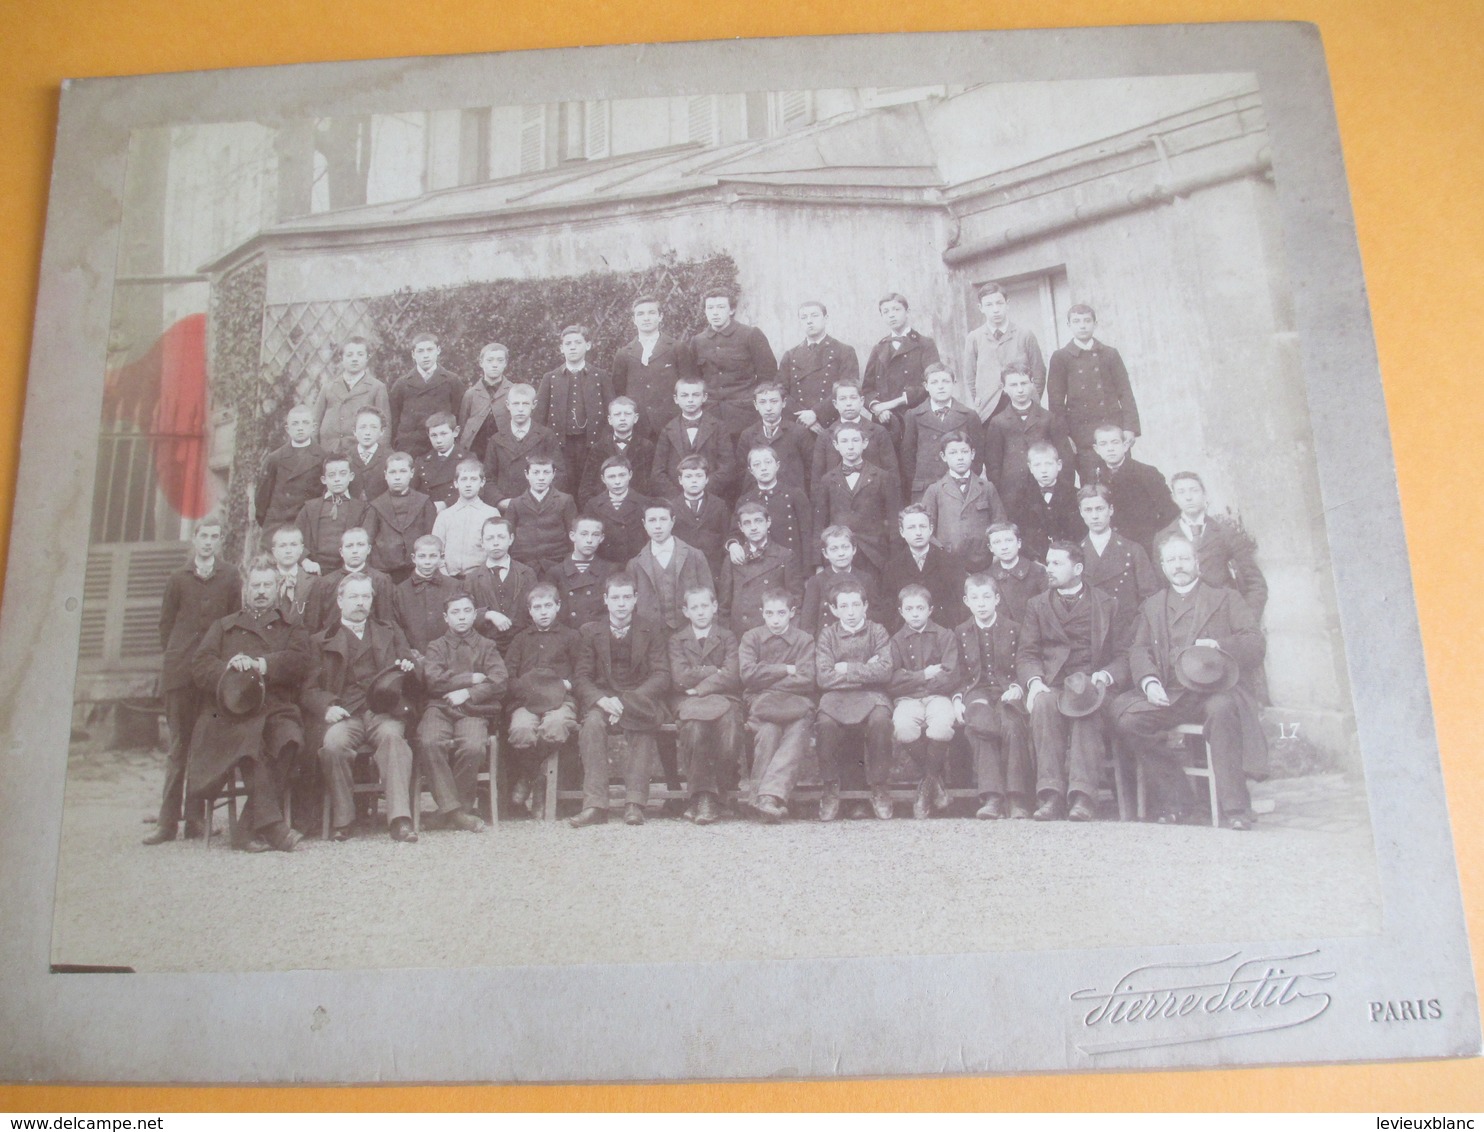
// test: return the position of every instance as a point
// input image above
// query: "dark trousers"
(777, 751)
(181, 707)
(708, 750)
(639, 758)
(871, 738)
(267, 781)
(1069, 752)
(1141, 722)
(1002, 750)
(574, 454)
(452, 747)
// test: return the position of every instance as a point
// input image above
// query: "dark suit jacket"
(1045, 646)
(880, 450)
(941, 573)
(870, 510)
(706, 531)
(505, 463)
(644, 700)
(791, 519)
(369, 478)
(191, 606)
(414, 400)
(1013, 437)
(794, 446)
(581, 591)
(1223, 616)
(639, 452)
(1122, 570)
(808, 375)
(290, 479)
(922, 461)
(394, 523)
(1087, 387)
(309, 520)
(674, 444)
(742, 587)
(1226, 555)
(1041, 522)
(652, 386)
(890, 373)
(1140, 499)
(691, 569)
(594, 391)
(329, 678)
(987, 677)
(623, 528)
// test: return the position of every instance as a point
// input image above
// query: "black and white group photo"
(772, 524)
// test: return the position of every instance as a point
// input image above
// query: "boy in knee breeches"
(542, 662)
(924, 660)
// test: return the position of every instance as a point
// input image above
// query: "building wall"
(1194, 294)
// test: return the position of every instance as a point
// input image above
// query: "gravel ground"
(532, 893)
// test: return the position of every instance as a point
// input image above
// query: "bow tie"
(419, 581)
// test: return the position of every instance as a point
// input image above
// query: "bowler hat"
(1204, 668)
(240, 692)
(1079, 696)
(389, 690)
(544, 691)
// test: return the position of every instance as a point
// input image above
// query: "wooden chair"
(232, 789)
(1180, 737)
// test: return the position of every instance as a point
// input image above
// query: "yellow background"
(1410, 100)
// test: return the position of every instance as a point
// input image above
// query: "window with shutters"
(795, 109)
(596, 129)
(532, 138)
(474, 146)
(701, 119)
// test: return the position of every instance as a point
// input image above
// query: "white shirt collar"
(1100, 542)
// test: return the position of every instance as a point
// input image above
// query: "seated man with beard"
(251, 664)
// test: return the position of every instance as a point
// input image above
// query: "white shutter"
(532, 138)
(701, 119)
(598, 130)
(794, 109)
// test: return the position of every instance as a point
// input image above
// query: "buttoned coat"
(960, 519)
(651, 387)
(880, 451)
(710, 667)
(808, 373)
(987, 676)
(638, 450)
(790, 522)
(594, 391)
(1019, 585)
(419, 605)
(1014, 435)
(505, 462)
(220, 740)
(922, 442)
(732, 360)
(310, 519)
(674, 444)
(1140, 499)
(541, 525)
(644, 703)
(706, 529)
(290, 479)
(507, 597)
(1041, 522)
(1122, 570)
(793, 445)
(869, 509)
(941, 573)
(742, 587)
(891, 371)
(394, 523)
(623, 526)
(761, 676)
(437, 476)
(581, 591)
(691, 569)
(1220, 615)
(191, 606)
(414, 399)
(1045, 646)
(1086, 388)
(912, 653)
(1226, 555)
